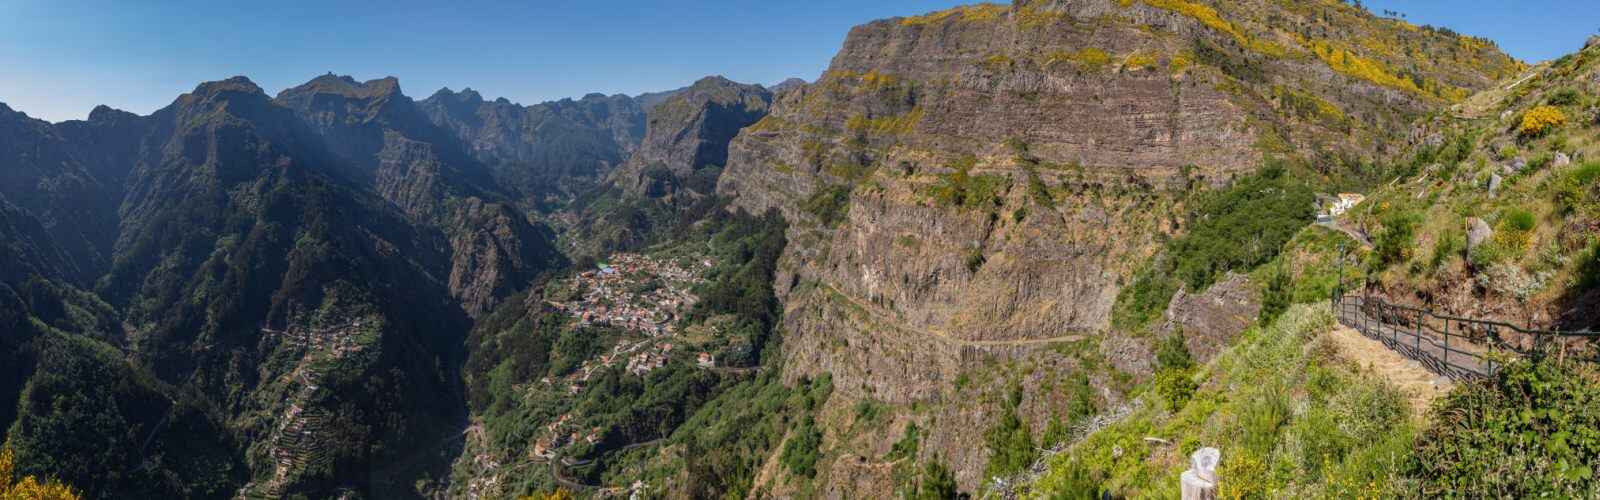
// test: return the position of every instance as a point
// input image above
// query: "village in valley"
(644, 297)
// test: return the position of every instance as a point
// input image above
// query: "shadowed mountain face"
(686, 142)
(293, 274)
(423, 169)
(546, 151)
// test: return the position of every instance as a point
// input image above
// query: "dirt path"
(1418, 384)
(879, 314)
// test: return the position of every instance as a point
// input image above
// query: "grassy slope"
(1291, 418)
(1540, 265)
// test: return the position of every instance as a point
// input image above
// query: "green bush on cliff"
(935, 482)
(829, 204)
(800, 452)
(1009, 441)
(1232, 229)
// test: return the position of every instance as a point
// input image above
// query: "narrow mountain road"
(557, 467)
(1353, 234)
(879, 314)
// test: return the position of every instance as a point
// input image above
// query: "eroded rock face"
(687, 134)
(977, 184)
(559, 146)
(1209, 320)
(421, 168)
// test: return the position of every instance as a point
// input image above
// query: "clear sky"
(60, 58)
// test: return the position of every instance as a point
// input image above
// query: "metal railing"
(1451, 346)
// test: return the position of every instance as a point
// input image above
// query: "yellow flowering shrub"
(1541, 119)
(968, 13)
(28, 487)
(1138, 60)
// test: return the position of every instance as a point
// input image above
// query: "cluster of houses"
(615, 294)
(546, 447)
(337, 341)
(1334, 206)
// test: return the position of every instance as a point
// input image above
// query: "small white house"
(1345, 202)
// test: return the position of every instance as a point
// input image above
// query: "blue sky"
(60, 58)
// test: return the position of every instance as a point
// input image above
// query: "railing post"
(1418, 328)
(1447, 344)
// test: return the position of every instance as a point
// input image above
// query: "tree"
(936, 483)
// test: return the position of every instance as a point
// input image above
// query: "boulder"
(1494, 183)
(1518, 164)
(1561, 160)
(1478, 232)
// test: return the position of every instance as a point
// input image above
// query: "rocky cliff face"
(421, 168)
(543, 151)
(686, 140)
(978, 183)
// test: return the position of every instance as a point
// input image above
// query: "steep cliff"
(686, 140)
(545, 152)
(672, 177)
(971, 188)
(422, 169)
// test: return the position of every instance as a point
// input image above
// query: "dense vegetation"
(1233, 229)
(1531, 430)
(1010, 443)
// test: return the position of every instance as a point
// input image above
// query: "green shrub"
(1565, 96)
(1173, 354)
(934, 483)
(1532, 430)
(800, 453)
(1576, 190)
(974, 260)
(907, 446)
(829, 204)
(1517, 219)
(1175, 387)
(1395, 243)
(1009, 440)
(1515, 230)
(1445, 246)
(1508, 152)
(1277, 294)
(1589, 268)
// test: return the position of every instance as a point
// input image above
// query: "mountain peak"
(787, 84)
(236, 84)
(714, 80)
(346, 86)
(104, 113)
